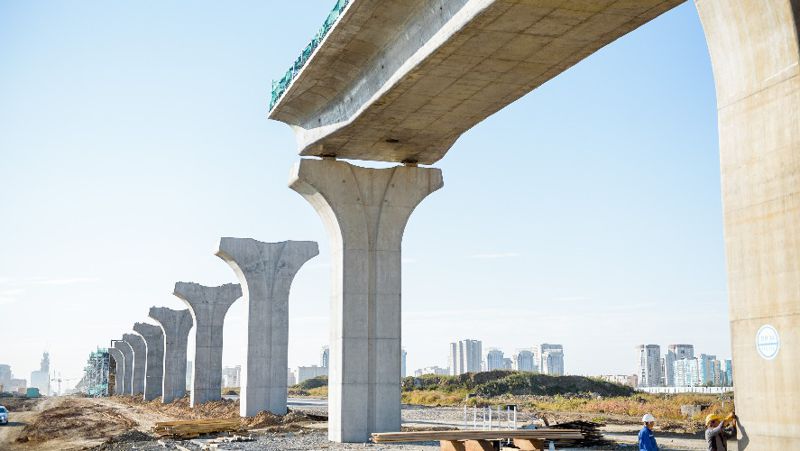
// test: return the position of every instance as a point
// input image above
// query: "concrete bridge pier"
(365, 212)
(119, 364)
(154, 364)
(755, 55)
(265, 271)
(175, 324)
(139, 362)
(208, 306)
(127, 371)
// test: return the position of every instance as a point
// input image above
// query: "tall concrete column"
(127, 375)
(154, 365)
(365, 212)
(208, 306)
(265, 271)
(755, 54)
(119, 370)
(175, 324)
(139, 362)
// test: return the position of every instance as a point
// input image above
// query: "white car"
(3, 415)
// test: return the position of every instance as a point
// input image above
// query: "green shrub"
(314, 382)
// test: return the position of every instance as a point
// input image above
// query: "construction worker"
(647, 441)
(719, 430)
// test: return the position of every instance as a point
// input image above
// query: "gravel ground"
(311, 440)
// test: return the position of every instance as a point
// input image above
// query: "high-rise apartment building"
(552, 359)
(324, 357)
(524, 361)
(494, 360)
(706, 369)
(41, 379)
(674, 353)
(682, 351)
(465, 357)
(686, 372)
(728, 373)
(649, 365)
(403, 355)
(5, 376)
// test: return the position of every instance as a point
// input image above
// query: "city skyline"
(124, 167)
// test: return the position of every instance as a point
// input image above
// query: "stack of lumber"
(194, 428)
(494, 434)
(589, 430)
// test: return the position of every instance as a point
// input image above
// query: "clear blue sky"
(133, 135)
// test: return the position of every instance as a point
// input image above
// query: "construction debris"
(187, 429)
(590, 433)
(494, 434)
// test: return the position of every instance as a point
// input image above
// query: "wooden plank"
(451, 445)
(529, 444)
(478, 445)
(456, 435)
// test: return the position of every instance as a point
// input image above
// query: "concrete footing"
(265, 271)
(119, 370)
(208, 306)
(127, 377)
(365, 212)
(139, 362)
(175, 324)
(154, 364)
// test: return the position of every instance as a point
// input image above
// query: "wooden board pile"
(186, 429)
(590, 432)
(495, 434)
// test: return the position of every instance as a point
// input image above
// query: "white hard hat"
(647, 418)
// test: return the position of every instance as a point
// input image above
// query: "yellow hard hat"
(712, 417)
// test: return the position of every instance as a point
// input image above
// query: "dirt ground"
(68, 423)
(124, 423)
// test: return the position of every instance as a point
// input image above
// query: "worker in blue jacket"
(647, 441)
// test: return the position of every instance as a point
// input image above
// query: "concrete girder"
(139, 362)
(208, 306)
(365, 212)
(755, 56)
(154, 365)
(119, 370)
(127, 375)
(402, 81)
(265, 271)
(175, 324)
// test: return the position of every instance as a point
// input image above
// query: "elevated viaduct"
(400, 81)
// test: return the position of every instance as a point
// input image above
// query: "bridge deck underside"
(506, 49)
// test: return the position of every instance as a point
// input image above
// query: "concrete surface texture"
(365, 212)
(401, 81)
(176, 325)
(208, 306)
(139, 362)
(127, 377)
(755, 57)
(265, 271)
(119, 370)
(154, 365)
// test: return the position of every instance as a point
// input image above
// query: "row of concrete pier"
(151, 361)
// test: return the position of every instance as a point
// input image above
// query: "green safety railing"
(279, 86)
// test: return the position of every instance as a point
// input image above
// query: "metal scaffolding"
(95, 377)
